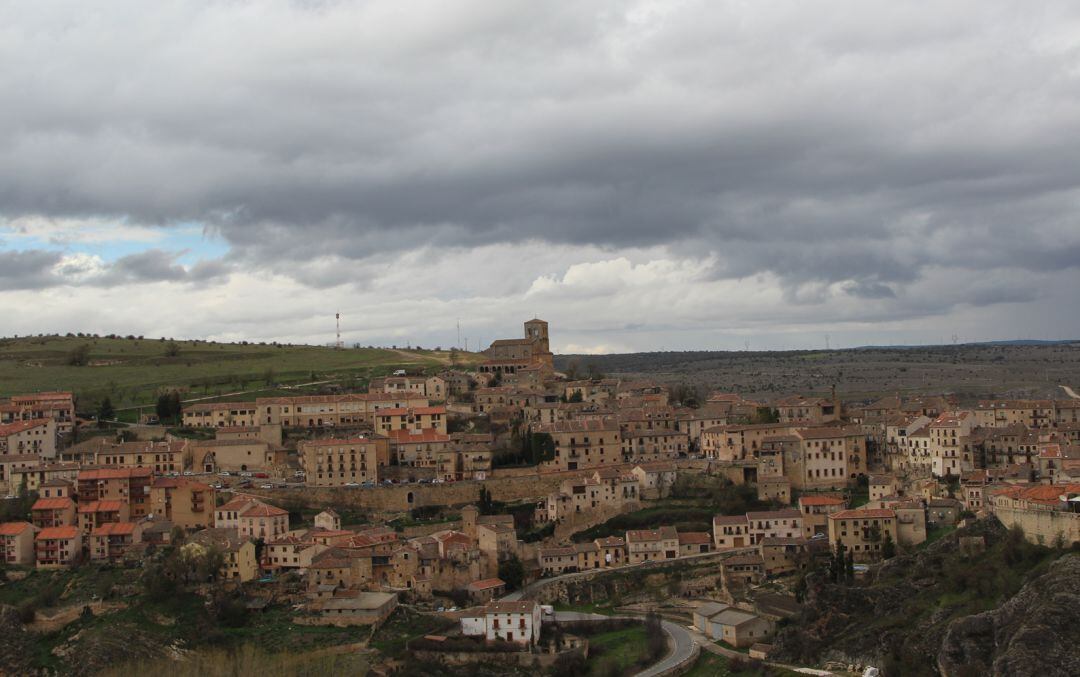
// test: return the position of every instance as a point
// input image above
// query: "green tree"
(888, 548)
(572, 370)
(849, 567)
(541, 448)
(766, 415)
(485, 504)
(837, 563)
(163, 407)
(655, 636)
(105, 412)
(79, 355)
(172, 349)
(512, 572)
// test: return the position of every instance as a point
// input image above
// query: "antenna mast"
(338, 344)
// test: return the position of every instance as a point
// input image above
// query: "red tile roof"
(52, 503)
(486, 584)
(865, 513)
(417, 436)
(102, 506)
(263, 510)
(640, 535)
(694, 537)
(235, 505)
(21, 426)
(114, 473)
(335, 442)
(785, 513)
(50, 533)
(14, 528)
(820, 500)
(114, 529)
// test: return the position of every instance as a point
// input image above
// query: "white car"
(224, 473)
(266, 486)
(352, 485)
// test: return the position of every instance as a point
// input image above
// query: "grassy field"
(711, 665)
(131, 371)
(617, 652)
(136, 631)
(969, 371)
(603, 609)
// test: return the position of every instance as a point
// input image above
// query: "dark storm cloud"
(854, 143)
(30, 269)
(157, 265)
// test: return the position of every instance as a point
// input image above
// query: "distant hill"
(131, 371)
(1015, 342)
(971, 371)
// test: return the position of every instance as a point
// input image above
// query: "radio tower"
(337, 318)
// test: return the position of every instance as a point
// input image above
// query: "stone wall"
(1042, 526)
(524, 659)
(401, 498)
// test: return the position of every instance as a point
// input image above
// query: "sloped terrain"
(898, 621)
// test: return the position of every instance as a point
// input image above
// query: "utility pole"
(458, 344)
(826, 341)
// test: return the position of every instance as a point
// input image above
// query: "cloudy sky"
(643, 175)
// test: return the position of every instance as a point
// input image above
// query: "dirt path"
(66, 615)
(413, 357)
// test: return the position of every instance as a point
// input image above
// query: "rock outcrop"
(925, 613)
(16, 644)
(1036, 633)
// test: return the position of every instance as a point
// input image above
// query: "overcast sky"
(643, 175)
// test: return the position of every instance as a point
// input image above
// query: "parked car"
(352, 485)
(223, 473)
(266, 486)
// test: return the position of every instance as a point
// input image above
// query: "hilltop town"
(502, 516)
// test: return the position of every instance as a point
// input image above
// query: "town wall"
(1042, 526)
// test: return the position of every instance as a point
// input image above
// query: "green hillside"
(131, 371)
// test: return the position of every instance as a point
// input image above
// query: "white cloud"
(646, 174)
(77, 231)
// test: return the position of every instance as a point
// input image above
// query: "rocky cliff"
(947, 609)
(16, 644)
(1035, 633)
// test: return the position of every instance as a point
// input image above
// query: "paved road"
(682, 643)
(682, 649)
(1070, 392)
(543, 582)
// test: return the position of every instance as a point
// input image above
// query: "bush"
(79, 355)
(27, 612)
(570, 664)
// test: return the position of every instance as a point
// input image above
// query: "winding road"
(681, 646)
(682, 649)
(682, 643)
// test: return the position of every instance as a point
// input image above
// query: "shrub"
(27, 612)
